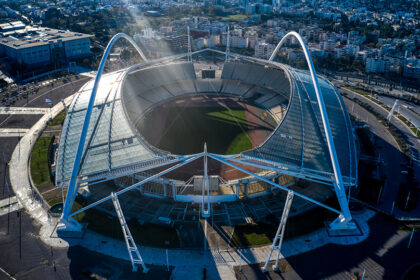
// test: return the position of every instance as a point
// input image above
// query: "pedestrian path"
(23, 111)
(12, 132)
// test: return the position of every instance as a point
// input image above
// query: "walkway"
(23, 111)
(18, 165)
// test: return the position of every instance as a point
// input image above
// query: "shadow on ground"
(85, 264)
(384, 255)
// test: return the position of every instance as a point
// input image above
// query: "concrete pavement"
(23, 111)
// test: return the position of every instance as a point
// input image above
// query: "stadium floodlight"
(389, 117)
(227, 44)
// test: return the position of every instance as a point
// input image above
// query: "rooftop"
(28, 36)
(297, 146)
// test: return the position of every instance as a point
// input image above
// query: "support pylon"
(206, 188)
(189, 45)
(135, 256)
(228, 44)
(278, 239)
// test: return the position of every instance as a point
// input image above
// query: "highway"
(392, 159)
(388, 151)
(402, 109)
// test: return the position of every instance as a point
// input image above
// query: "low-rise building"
(377, 65)
(412, 68)
(264, 50)
(39, 46)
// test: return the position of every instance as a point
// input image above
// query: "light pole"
(411, 238)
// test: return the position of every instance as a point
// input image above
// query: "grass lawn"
(146, 234)
(54, 201)
(247, 235)
(239, 144)
(40, 172)
(59, 119)
(368, 96)
(235, 17)
(402, 118)
(415, 131)
(187, 129)
(242, 141)
(410, 125)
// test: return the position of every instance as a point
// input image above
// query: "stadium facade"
(100, 140)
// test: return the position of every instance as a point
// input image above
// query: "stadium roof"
(297, 147)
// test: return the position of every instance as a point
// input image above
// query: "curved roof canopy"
(297, 147)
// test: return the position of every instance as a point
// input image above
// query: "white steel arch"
(72, 187)
(345, 218)
(342, 221)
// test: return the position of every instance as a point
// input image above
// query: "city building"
(264, 50)
(177, 42)
(412, 68)
(377, 65)
(32, 47)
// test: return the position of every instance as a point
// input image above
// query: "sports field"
(227, 126)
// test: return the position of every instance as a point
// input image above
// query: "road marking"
(23, 111)
(13, 132)
(5, 202)
(7, 274)
(9, 205)
(42, 94)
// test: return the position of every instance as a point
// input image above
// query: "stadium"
(206, 135)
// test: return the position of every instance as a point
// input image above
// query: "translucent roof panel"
(300, 139)
(113, 143)
(110, 142)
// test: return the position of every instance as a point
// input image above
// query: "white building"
(329, 45)
(264, 50)
(252, 37)
(235, 41)
(213, 40)
(198, 44)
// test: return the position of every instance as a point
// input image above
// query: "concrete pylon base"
(343, 227)
(70, 228)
